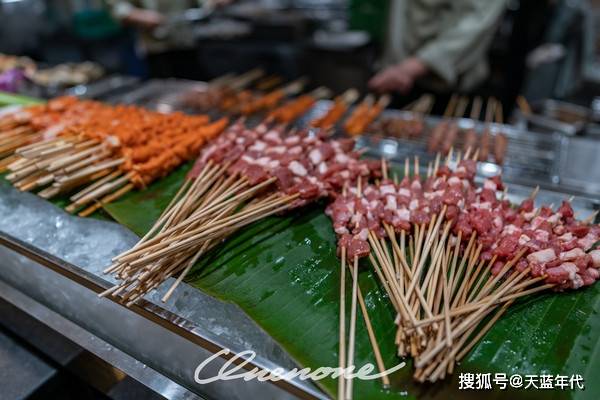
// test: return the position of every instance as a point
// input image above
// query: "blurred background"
(540, 48)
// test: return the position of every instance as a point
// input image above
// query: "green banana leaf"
(7, 99)
(283, 272)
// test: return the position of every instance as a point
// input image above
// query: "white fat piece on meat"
(277, 149)
(542, 256)
(414, 204)
(403, 214)
(454, 181)
(595, 254)
(322, 168)
(292, 140)
(387, 189)
(390, 202)
(510, 229)
(566, 237)
(404, 192)
(341, 158)
(263, 161)
(259, 145)
(524, 239)
(297, 168)
(529, 216)
(571, 254)
(587, 241)
(490, 184)
(295, 150)
(363, 234)
(273, 164)
(341, 230)
(273, 136)
(315, 156)
(541, 235)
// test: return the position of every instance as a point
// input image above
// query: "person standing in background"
(441, 44)
(165, 40)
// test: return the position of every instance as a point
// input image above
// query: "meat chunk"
(561, 274)
(542, 256)
(595, 254)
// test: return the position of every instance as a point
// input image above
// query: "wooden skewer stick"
(401, 255)
(107, 199)
(372, 338)
(100, 191)
(342, 330)
(461, 107)
(473, 318)
(524, 105)
(451, 106)
(446, 294)
(352, 334)
(457, 312)
(499, 113)
(191, 237)
(403, 305)
(157, 243)
(96, 185)
(185, 271)
(428, 245)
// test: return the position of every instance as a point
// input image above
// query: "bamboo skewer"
(342, 331)
(372, 338)
(352, 334)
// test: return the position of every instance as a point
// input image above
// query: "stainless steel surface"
(92, 343)
(546, 118)
(532, 158)
(163, 95)
(529, 156)
(580, 164)
(103, 87)
(177, 335)
(552, 161)
(22, 373)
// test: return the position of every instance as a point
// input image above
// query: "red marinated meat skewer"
(437, 133)
(500, 147)
(470, 136)
(500, 141)
(244, 175)
(486, 138)
(484, 145)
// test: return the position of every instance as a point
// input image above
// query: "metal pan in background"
(551, 116)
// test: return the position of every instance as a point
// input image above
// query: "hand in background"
(145, 19)
(400, 77)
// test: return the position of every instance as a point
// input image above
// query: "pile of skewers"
(227, 92)
(450, 254)
(405, 128)
(336, 112)
(364, 114)
(95, 152)
(295, 108)
(447, 133)
(243, 176)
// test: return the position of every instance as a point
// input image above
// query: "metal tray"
(546, 118)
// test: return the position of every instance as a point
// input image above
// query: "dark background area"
(288, 41)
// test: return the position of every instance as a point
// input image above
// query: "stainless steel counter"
(56, 260)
